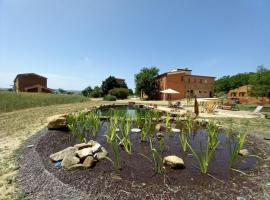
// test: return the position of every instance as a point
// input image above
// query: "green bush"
(109, 98)
(120, 93)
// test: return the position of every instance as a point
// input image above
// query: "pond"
(139, 165)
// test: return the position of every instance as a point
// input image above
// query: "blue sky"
(80, 43)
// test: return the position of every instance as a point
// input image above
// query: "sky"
(80, 43)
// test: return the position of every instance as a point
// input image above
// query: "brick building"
(242, 94)
(31, 82)
(182, 81)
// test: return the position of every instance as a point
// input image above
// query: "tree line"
(259, 81)
(111, 86)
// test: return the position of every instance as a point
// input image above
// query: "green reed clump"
(139, 118)
(112, 139)
(76, 124)
(93, 121)
(212, 134)
(240, 141)
(167, 122)
(204, 156)
(125, 137)
(156, 157)
(186, 131)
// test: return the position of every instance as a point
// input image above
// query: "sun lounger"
(257, 109)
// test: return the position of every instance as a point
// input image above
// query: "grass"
(11, 101)
(251, 107)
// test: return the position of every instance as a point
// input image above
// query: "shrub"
(109, 98)
(96, 92)
(120, 93)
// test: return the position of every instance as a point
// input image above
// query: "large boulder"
(174, 162)
(57, 122)
(69, 161)
(70, 151)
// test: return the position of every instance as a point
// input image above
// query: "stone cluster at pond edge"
(82, 155)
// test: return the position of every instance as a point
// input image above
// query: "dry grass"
(15, 128)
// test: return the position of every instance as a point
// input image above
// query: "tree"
(146, 81)
(261, 85)
(96, 92)
(62, 91)
(130, 92)
(87, 91)
(110, 83)
(120, 93)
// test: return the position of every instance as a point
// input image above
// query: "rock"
(84, 152)
(158, 127)
(90, 150)
(79, 165)
(88, 162)
(82, 145)
(174, 161)
(160, 135)
(71, 151)
(243, 152)
(57, 122)
(92, 143)
(69, 161)
(102, 154)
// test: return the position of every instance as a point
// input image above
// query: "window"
(195, 80)
(182, 78)
(200, 91)
(200, 80)
(189, 80)
(205, 81)
(242, 94)
(205, 91)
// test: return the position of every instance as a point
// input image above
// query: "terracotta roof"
(28, 74)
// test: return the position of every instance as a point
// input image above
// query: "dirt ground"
(16, 127)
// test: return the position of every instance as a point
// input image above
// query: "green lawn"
(10, 101)
(251, 107)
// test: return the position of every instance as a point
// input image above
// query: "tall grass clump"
(125, 134)
(157, 160)
(93, 121)
(186, 131)
(239, 143)
(76, 124)
(212, 131)
(204, 156)
(10, 101)
(112, 139)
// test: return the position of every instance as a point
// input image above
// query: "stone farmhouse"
(31, 82)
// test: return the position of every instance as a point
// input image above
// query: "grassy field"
(10, 101)
(251, 107)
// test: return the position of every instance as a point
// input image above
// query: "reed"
(212, 133)
(240, 141)
(204, 156)
(156, 158)
(125, 137)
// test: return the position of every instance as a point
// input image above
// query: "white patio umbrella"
(169, 92)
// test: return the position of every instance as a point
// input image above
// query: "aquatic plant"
(212, 133)
(156, 158)
(125, 137)
(204, 156)
(167, 121)
(75, 123)
(112, 139)
(240, 141)
(93, 121)
(186, 131)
